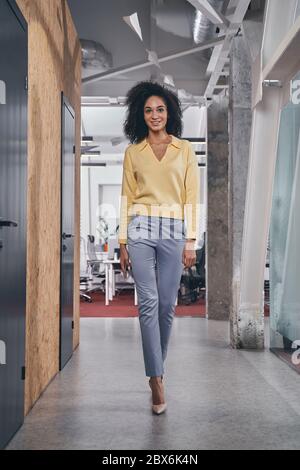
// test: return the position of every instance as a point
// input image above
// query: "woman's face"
(155, 113)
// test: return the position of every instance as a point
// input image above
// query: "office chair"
(84, 276)
(193, 279)
(200, 266)
(96, 267)
(90, 270)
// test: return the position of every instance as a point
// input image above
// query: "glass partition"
(281, 15)
(285, 236)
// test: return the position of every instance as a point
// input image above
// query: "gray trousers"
(155, 246)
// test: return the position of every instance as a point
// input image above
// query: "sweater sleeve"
(129, 186)
(192, 195)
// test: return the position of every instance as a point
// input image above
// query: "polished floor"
(217, 398)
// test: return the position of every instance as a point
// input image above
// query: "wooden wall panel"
(54, 66)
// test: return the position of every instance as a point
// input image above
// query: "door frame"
(16, 10)
(65, 103)
(17, 13)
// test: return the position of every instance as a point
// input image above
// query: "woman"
(160, 185)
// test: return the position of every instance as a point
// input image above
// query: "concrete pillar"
(217, 258)
(240, 120)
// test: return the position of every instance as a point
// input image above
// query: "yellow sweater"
(168, 188)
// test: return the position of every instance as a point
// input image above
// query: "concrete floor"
(217, 398)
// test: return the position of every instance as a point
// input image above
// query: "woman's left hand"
(189, 254)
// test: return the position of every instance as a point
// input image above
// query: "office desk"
(110, 288)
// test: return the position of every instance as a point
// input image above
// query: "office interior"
(71, 372)
(103, 147)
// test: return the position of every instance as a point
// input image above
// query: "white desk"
(110, 288)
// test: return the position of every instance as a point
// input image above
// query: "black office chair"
(200, 266)
(192, 283)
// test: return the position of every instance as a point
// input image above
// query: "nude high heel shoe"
(161, 407)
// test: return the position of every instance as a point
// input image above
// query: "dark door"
(67, 235)
(13, 180)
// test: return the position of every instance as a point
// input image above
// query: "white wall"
(194, 122)
(105, 180)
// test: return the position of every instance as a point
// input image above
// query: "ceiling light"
(87, 139)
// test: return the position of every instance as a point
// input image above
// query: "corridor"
(218, 398)
(149, 179)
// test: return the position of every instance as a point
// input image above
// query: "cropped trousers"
(155, 246)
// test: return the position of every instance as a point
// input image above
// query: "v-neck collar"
(144, 143)
(164, 155)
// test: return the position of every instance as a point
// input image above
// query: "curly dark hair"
(135, 127)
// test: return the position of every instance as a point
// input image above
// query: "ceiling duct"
(179, 17)
(203, 28)
(95, 56)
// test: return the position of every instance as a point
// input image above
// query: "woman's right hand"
(124, 259)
